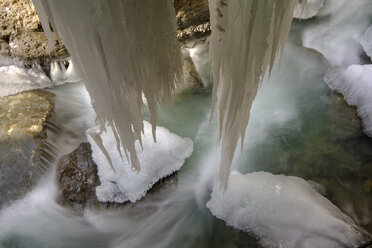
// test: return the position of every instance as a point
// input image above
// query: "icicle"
(122, 49)
(246, 37)
(96, 137)
(41, 12)
(307, 9)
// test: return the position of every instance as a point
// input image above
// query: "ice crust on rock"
(355, 83)
(307, 9)
(283, 211)
(17, 78)
(246, 37)
(157, 161)
(366, 41)
(121, 50)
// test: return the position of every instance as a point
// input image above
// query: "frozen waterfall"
(120, 58)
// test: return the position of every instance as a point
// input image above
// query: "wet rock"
(20, 28)
(191, 76)
(32, 47)
(191, 12)
(17, 16)
(192, 19)
(194, 33)
(4, 47)
(24, 153)
(77, 179)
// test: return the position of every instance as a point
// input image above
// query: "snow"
(283, 211)
(17, 78)
(157, 161)
(355, 83)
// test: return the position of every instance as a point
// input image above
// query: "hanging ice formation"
(246, 37)
(122, 49)
(307, 9)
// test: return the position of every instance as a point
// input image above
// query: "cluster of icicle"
(127, 48)
(246, 37)
(123, 49)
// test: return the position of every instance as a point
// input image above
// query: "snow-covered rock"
(157, 160)
(355, 83)
(282, 211)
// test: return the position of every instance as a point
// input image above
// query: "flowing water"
(298, 127)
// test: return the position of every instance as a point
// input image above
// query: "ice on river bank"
(283, 211)
(355, 83)
(15, 78)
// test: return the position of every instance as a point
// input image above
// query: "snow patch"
(283, 211)
(157, 160)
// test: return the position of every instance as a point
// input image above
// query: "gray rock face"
(77, 179)
(24, 153)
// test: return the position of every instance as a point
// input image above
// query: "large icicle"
(246, 36)
(122, 49)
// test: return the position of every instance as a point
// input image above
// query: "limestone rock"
(17, 16)
(191, 12)
(23, 150)
(33, 46)
(21, 34)
(192, 19)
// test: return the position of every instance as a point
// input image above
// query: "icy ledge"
(282, 211)
(355, 83)
(15, 79)
(157, 160)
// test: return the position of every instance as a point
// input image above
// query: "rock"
(21, 29)
(17, 16)
(4, 47)
(194, 33)
(191, 12)
(77, 179)
(21, 34)
(190, 75)
(23, 150)
(192, 19)
(32, 47)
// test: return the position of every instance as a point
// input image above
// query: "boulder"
(24, 153)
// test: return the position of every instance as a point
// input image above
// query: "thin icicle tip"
(246, 37)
